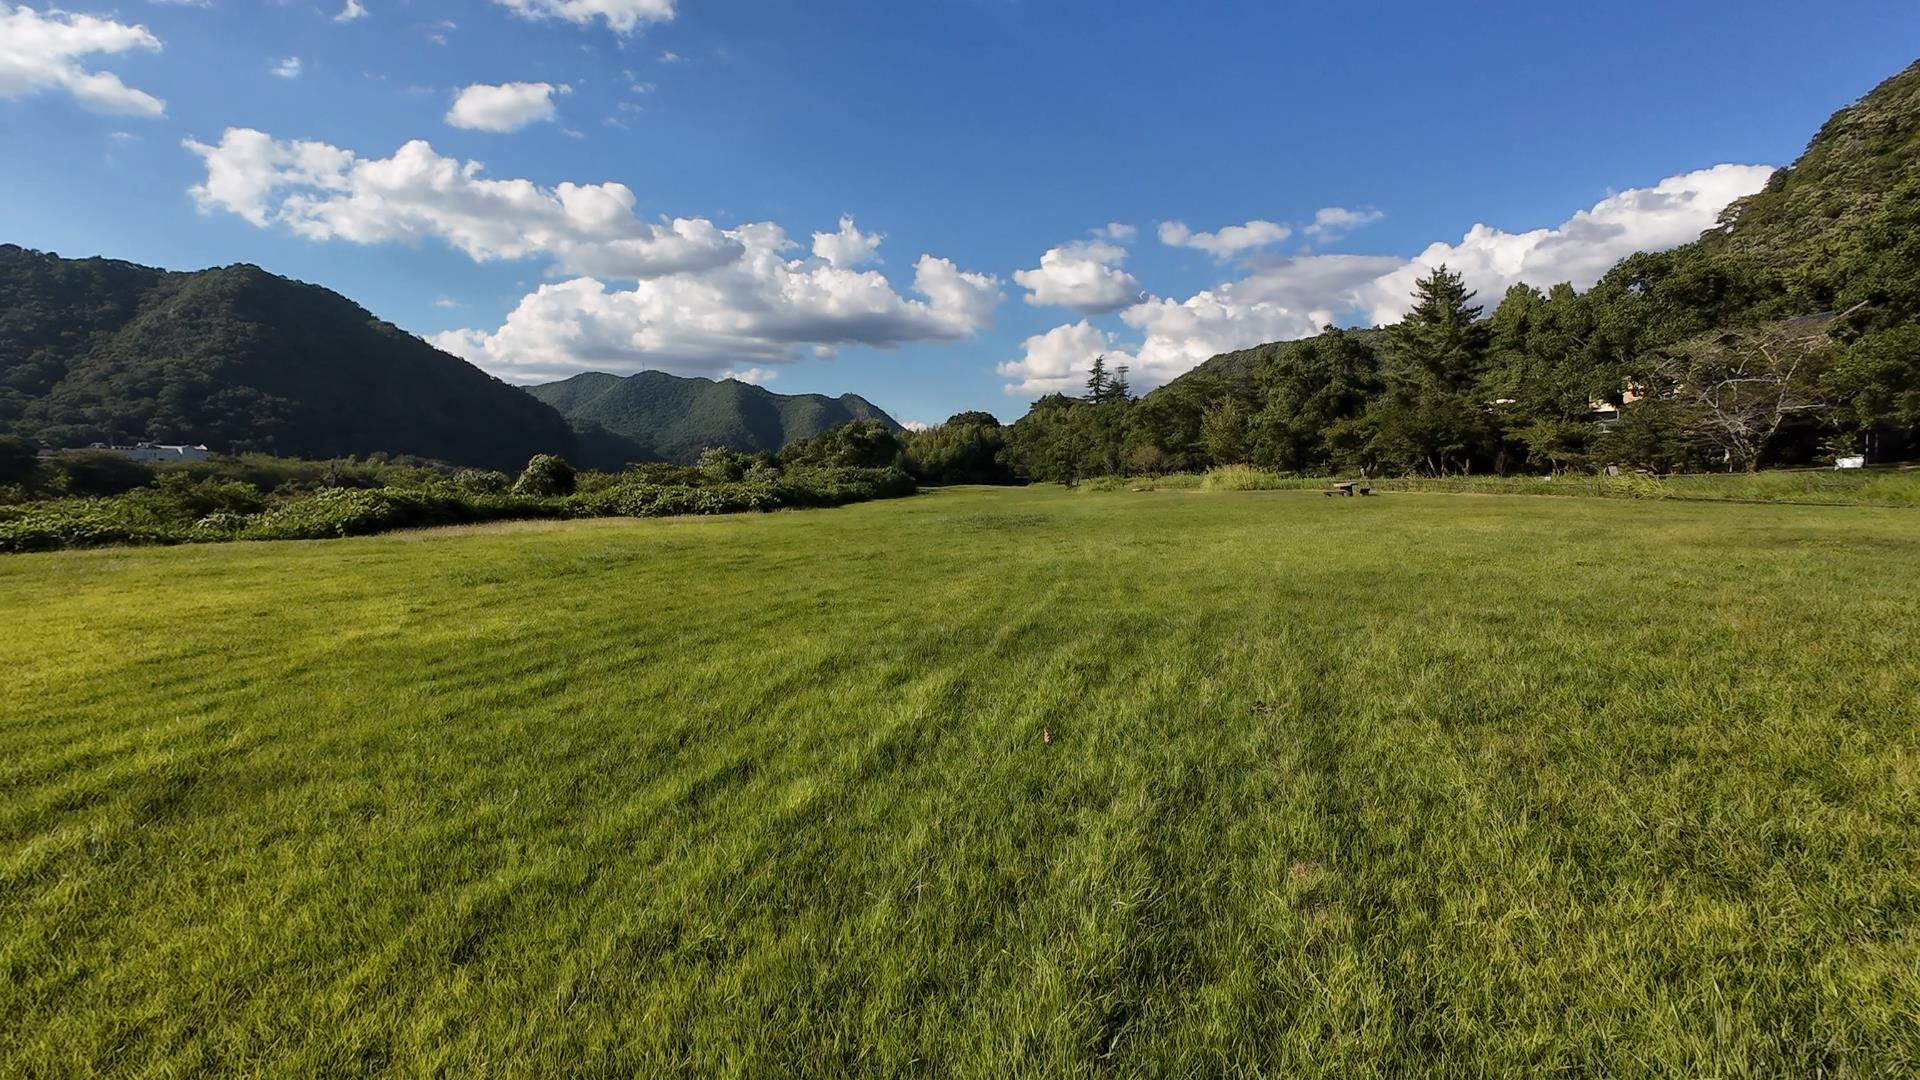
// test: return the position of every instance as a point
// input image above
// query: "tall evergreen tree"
(1098, 382)
(1433, 418)
(1441, 344)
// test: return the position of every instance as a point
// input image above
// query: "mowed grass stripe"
(1421, 783)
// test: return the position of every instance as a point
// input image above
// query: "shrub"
(197, 498)
(79, 523)
(360, 512)
(546, 475)
(185, 509)
(762, 489)
(1247, 478)
(98, 472)
(722, 466)
(481, 482)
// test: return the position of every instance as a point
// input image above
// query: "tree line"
(1688, 360)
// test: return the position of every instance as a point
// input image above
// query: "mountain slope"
(240, 359)
(1797, 240)
(1809, 215)
(672, 418)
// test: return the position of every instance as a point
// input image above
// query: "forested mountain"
(240, 359)
(1790, 333)
(1809, 219)
(657, 416)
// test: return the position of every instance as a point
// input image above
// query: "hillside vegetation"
(96, 350)
(1790, 334)
(1810, 216)
(96, 499)
(988, 783)
(654, 416)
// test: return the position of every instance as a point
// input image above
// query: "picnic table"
(1349, 488)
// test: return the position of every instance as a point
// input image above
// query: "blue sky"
(968, 137)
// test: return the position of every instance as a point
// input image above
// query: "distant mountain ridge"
(240, 359)
(656, 416)
(102, 350)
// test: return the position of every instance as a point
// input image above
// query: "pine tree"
(1098, 382)
(1432, 419)
(1441, 344)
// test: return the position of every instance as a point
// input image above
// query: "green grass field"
(1428, 784)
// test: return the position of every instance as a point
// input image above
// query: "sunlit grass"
(977, 783)
(1891, 486)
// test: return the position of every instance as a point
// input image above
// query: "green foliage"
(545, 475)
(98, 472)
(862, 444)
(970, 448)
(1433, 418)
(1652, 433)
(1734, 390)
(197, 498)
(482, 482)
(1313, 392)
(288, 475)
(183, 507)
(759, 491)
(1439, 347)
(1879, 282)
(338, 512)
(1812, 487)
(722, 466)
(1559, 444)
(654, 416)
(1069, 439)
(1877, 379)
(1808, 219)
(1248, 478)
(1105, 387)
(93, 350)
(19, 463)
(64, 523)
(1223, 431)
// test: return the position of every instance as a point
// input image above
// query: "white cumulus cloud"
(43, 52)
(1057, 360)
(288, 68)
(848, 247)
(1580, 249)
(704, 300)
(619, 15)
(353, 10)
(1227, 242)
(323, 192)
(505, 107)
(1331, 221)
(764, 308)
(1084, 276)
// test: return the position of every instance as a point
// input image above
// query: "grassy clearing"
(1413, 784)
(1815, 487)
